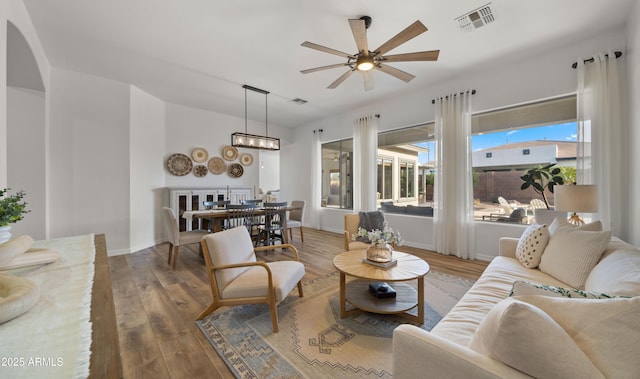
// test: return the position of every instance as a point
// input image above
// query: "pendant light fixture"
(254, 141)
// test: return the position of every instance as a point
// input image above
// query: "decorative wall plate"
(217, 166)
(229, 153)
(235, 170)
(246, 159)
(200, 170)
(199, 154)
(179, 164)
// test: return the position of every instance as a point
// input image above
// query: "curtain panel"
(453, 192)
(602, 137)
(365, 145)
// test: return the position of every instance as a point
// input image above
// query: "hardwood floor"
(156, 307)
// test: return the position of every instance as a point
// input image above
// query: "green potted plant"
(12, 210)
(543, 178)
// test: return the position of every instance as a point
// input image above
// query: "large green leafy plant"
(543, 178)
(12, 208)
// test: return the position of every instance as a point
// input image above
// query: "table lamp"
(576, 198)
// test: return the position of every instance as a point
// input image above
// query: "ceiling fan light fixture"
(364, 63)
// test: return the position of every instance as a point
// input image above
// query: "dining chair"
(215, 204)
(240, 215)
(178, 238)
(295, 218)
(237, 277)
(256, 202)
(274, 221)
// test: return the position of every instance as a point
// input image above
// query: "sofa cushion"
(521, 288)
(493, 286)
(531, 245)
(519, 335)
(607, 330)
(572, 253)
(617, 273)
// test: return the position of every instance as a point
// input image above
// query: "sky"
(557, 132)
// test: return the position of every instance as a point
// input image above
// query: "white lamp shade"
(576, 198)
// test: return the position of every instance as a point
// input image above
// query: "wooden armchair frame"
(270, 299)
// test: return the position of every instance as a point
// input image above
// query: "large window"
(508, 142)
(385, 178)
(337, 179)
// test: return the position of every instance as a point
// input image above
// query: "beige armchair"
(351, 222)
(176, 237)
(238, 278)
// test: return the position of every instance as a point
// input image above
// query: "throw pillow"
(617, 273)
(595, 226)
(607, 330)
(524, 337)
(369, 221)
(521, 288)
(531, 245)
(572, 253)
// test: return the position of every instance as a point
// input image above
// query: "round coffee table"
(356, 292)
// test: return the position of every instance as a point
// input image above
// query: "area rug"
(313, 341)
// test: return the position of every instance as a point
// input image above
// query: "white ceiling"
(200, 52)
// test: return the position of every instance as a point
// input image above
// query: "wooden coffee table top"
(408, 266)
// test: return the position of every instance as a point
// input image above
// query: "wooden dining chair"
(274, 221)
(178, 238)
(237, 277)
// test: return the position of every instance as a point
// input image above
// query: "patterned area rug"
(313, 341)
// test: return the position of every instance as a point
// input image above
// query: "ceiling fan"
(365, 60)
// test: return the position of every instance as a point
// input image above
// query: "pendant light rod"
(251, 88)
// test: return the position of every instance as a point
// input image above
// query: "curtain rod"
(591, 60)
(473, 92)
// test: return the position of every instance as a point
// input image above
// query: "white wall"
(147, 187)
(633, 83)
(89, 157)
(27, 156)
(518, 81)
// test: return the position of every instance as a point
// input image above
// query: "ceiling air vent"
(476, 18)
(300, 101)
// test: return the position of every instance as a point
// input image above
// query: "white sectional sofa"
(448, 351)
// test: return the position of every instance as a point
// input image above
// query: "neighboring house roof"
(566, 149)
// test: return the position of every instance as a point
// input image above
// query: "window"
(385, 178)
(520, 138)
(407, 179)
(337, 168)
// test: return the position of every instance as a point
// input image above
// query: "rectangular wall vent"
(476, 18)
(300, 101)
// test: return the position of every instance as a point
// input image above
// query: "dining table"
(217, 217)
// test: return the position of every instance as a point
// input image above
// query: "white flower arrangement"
(386, 235)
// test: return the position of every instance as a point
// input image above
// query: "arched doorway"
(26, 132)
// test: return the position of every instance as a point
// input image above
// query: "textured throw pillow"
(607, 330)
(524, 337)
(531, 245)
(571, 254)
(595, 226)
(521, 288)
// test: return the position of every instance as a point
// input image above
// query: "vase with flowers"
(380, 241)
(12, 210)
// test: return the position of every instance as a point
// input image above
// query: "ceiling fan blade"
(340, 79)
(360, 35)
(309, 70)
(402, 75)
(325, 49)
(408, 57)
(368, 80)
(408, 33)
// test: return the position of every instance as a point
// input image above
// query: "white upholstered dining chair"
(176, 237)
(237, 277)
(295, 218)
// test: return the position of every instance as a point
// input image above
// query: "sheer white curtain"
(602, 146)
(316, 179)
(453, 193)
(365, 145)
